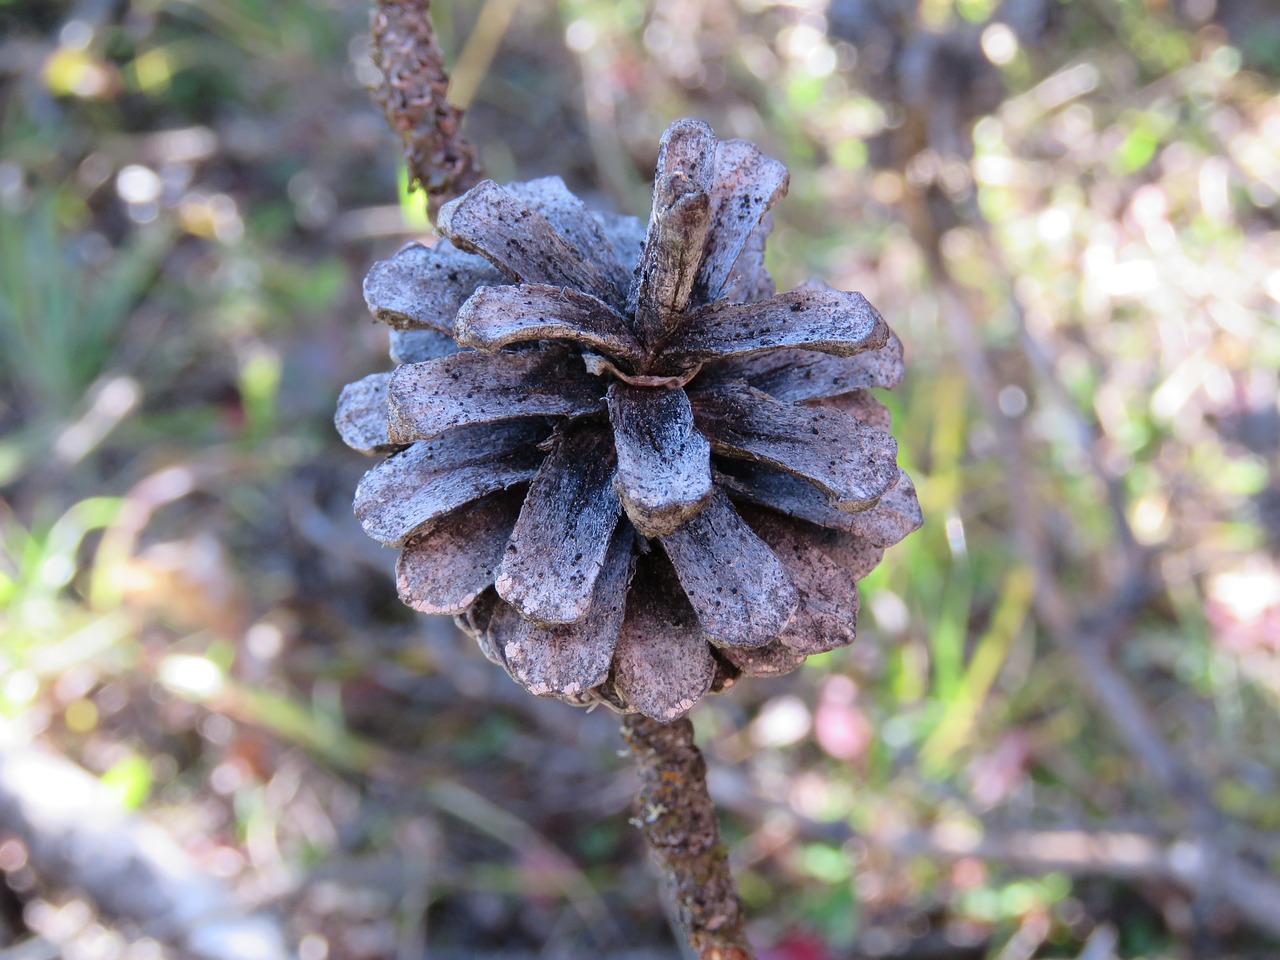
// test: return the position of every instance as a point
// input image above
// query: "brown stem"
(676, 815)
(411, 92)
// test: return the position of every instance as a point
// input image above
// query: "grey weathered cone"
(630, 469)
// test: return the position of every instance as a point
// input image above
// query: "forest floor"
(1057, 733)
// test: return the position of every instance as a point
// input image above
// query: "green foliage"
(60, 317)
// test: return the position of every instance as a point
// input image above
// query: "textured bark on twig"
(412, 93)
(677, 818)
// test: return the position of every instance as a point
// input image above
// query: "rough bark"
(678, 819)
(412, 93)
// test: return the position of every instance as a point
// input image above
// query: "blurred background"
(1057, 735)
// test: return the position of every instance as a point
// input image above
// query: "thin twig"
(678, 819)
(412, 93)
(473, 63)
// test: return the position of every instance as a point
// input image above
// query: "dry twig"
(412, 93)
(1221, 872)
(678, 819)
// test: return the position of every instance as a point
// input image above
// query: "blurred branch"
(482, 46)
(1197, 865)
(412, 93)
(1101, 944)
(675, 813)
(1219, 871)
(1086, 635)
(77, 836)
(1111, 688)
(1112, 853)
(1088, 437)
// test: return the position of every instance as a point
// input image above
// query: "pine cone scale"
(856, 555)
(362, 415)
(860, 405)
(497, 317)
(581, 229)
(662, 665)
(771, 660)
(558, 546)
(424, 400)
(499, 225)
(444, 570)
(853, 462)
(410, 490)
(626, 237)
(895, 515)
(568, 660)
(746, 184)
(737, 586)
(671, 258)
(796, 375)
(423, 287)
(749, 280)
(419, 346)
(829, 321)
(664, 463)
(677, 233)
(828, 609)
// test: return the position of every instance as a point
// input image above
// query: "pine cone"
(631, 488)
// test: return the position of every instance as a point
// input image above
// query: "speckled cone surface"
(629, 468)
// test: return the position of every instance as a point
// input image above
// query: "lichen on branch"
(675, 813)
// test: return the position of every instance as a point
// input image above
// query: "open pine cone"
(631, 487)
